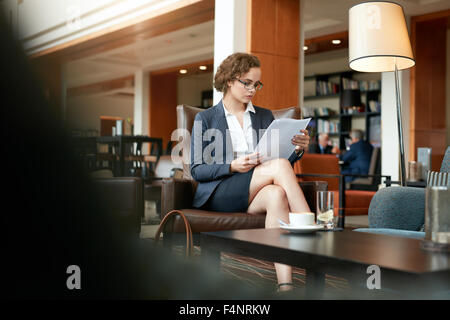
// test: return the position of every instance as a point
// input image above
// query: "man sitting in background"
(357, 159)
(324, 145)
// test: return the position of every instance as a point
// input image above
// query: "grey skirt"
(231, 194)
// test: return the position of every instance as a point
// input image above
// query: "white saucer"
(302, 229)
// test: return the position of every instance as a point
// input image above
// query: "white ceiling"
(196, 43)
(183, 46)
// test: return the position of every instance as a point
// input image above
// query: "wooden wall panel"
(286, 82)
(262, 21)
(163, 104)
(280, 79)
(436, 140)
(265, 98)
(430, 89)
(106, 125)
(287, 28)
(427, 85)
(275, 37)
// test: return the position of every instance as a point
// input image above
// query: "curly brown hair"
(232, 67)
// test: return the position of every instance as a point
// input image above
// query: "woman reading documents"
(231, 176)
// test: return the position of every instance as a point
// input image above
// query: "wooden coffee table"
(404, 266)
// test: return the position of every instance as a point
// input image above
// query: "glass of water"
(325, 212)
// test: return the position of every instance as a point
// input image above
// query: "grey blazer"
(211, 167)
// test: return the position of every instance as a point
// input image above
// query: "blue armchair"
(400, 211)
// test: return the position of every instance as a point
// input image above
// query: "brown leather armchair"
(177, 194)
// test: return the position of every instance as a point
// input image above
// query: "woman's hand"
(245, 163)
(301, 142)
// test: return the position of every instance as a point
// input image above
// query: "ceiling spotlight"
(336, 41)
(202, 67)
(183, 71)
(305, 48)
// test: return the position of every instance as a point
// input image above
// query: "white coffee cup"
(301, 219)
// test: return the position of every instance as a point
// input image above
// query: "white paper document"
(276, 141)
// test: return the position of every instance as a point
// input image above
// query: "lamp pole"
(400, 128)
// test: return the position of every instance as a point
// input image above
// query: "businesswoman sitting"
(231, 176)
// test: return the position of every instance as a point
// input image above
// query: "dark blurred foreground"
(50, 219)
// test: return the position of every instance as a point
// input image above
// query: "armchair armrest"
(176, 194)
(398, 208)
(388, 180)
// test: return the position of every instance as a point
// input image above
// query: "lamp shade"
(350, 98)
(378, 38)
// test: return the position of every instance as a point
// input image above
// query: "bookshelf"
(322, 96)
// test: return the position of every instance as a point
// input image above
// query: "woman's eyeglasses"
(249, 85)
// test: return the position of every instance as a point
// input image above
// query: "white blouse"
(241, 137)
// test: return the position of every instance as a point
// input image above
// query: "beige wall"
(326, 62)
(189, 89)
(83, 113)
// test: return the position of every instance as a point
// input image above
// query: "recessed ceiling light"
(305, 48)
(202, 67)
(183, 71)
(336, 41)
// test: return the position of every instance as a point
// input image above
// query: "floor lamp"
(379, 42)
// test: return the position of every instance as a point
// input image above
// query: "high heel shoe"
(285, 284)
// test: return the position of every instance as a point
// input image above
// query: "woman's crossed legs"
(274, 190)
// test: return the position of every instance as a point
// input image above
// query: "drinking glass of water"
(325, 212)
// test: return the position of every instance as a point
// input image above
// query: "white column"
(390, 155)
(230, 32)
(141, 104)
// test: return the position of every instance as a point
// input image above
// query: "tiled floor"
(258, 273)
(149, 231)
